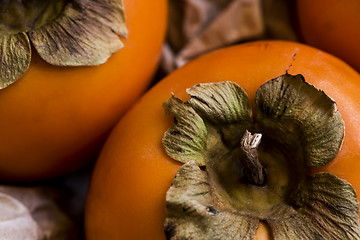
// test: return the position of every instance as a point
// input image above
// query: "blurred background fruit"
(332, 26)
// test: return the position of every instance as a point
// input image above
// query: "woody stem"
(254, 172)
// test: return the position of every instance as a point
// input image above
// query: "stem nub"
(254, 172)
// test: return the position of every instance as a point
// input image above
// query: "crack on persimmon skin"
(293, 57)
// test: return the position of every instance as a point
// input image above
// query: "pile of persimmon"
(128, 197)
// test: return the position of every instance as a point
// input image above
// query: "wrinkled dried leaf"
(223, 102)
(111, 14)
(239, 20)
(289, 99)
(81, 36)
(186, 139)
(16, 222)
(31, 213)
(22, 16)
(15, 56)
(200, 26)
(326, 208)
(192, 214)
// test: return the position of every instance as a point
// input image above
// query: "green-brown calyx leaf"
(238, 172)
(63, 32)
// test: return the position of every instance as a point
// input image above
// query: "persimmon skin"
(126, 198)
(332, 26)
(55, 119)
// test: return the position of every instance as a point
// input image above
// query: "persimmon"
(331, 26)
(54, 119)
(132, 190)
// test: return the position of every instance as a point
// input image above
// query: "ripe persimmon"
(128, 190)
(332, 26)
(54, 119)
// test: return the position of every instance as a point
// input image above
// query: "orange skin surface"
(332, 26)
(54, 119)
(126, 198)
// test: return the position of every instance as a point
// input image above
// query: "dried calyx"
(63, 32)
(238, 171)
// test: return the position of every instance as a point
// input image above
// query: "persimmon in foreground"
(249, 105)
(238, 172)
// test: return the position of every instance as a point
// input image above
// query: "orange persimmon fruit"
(53, 120)
(332, 26)
(126, 197)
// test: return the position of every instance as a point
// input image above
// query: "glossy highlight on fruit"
(126, 198)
